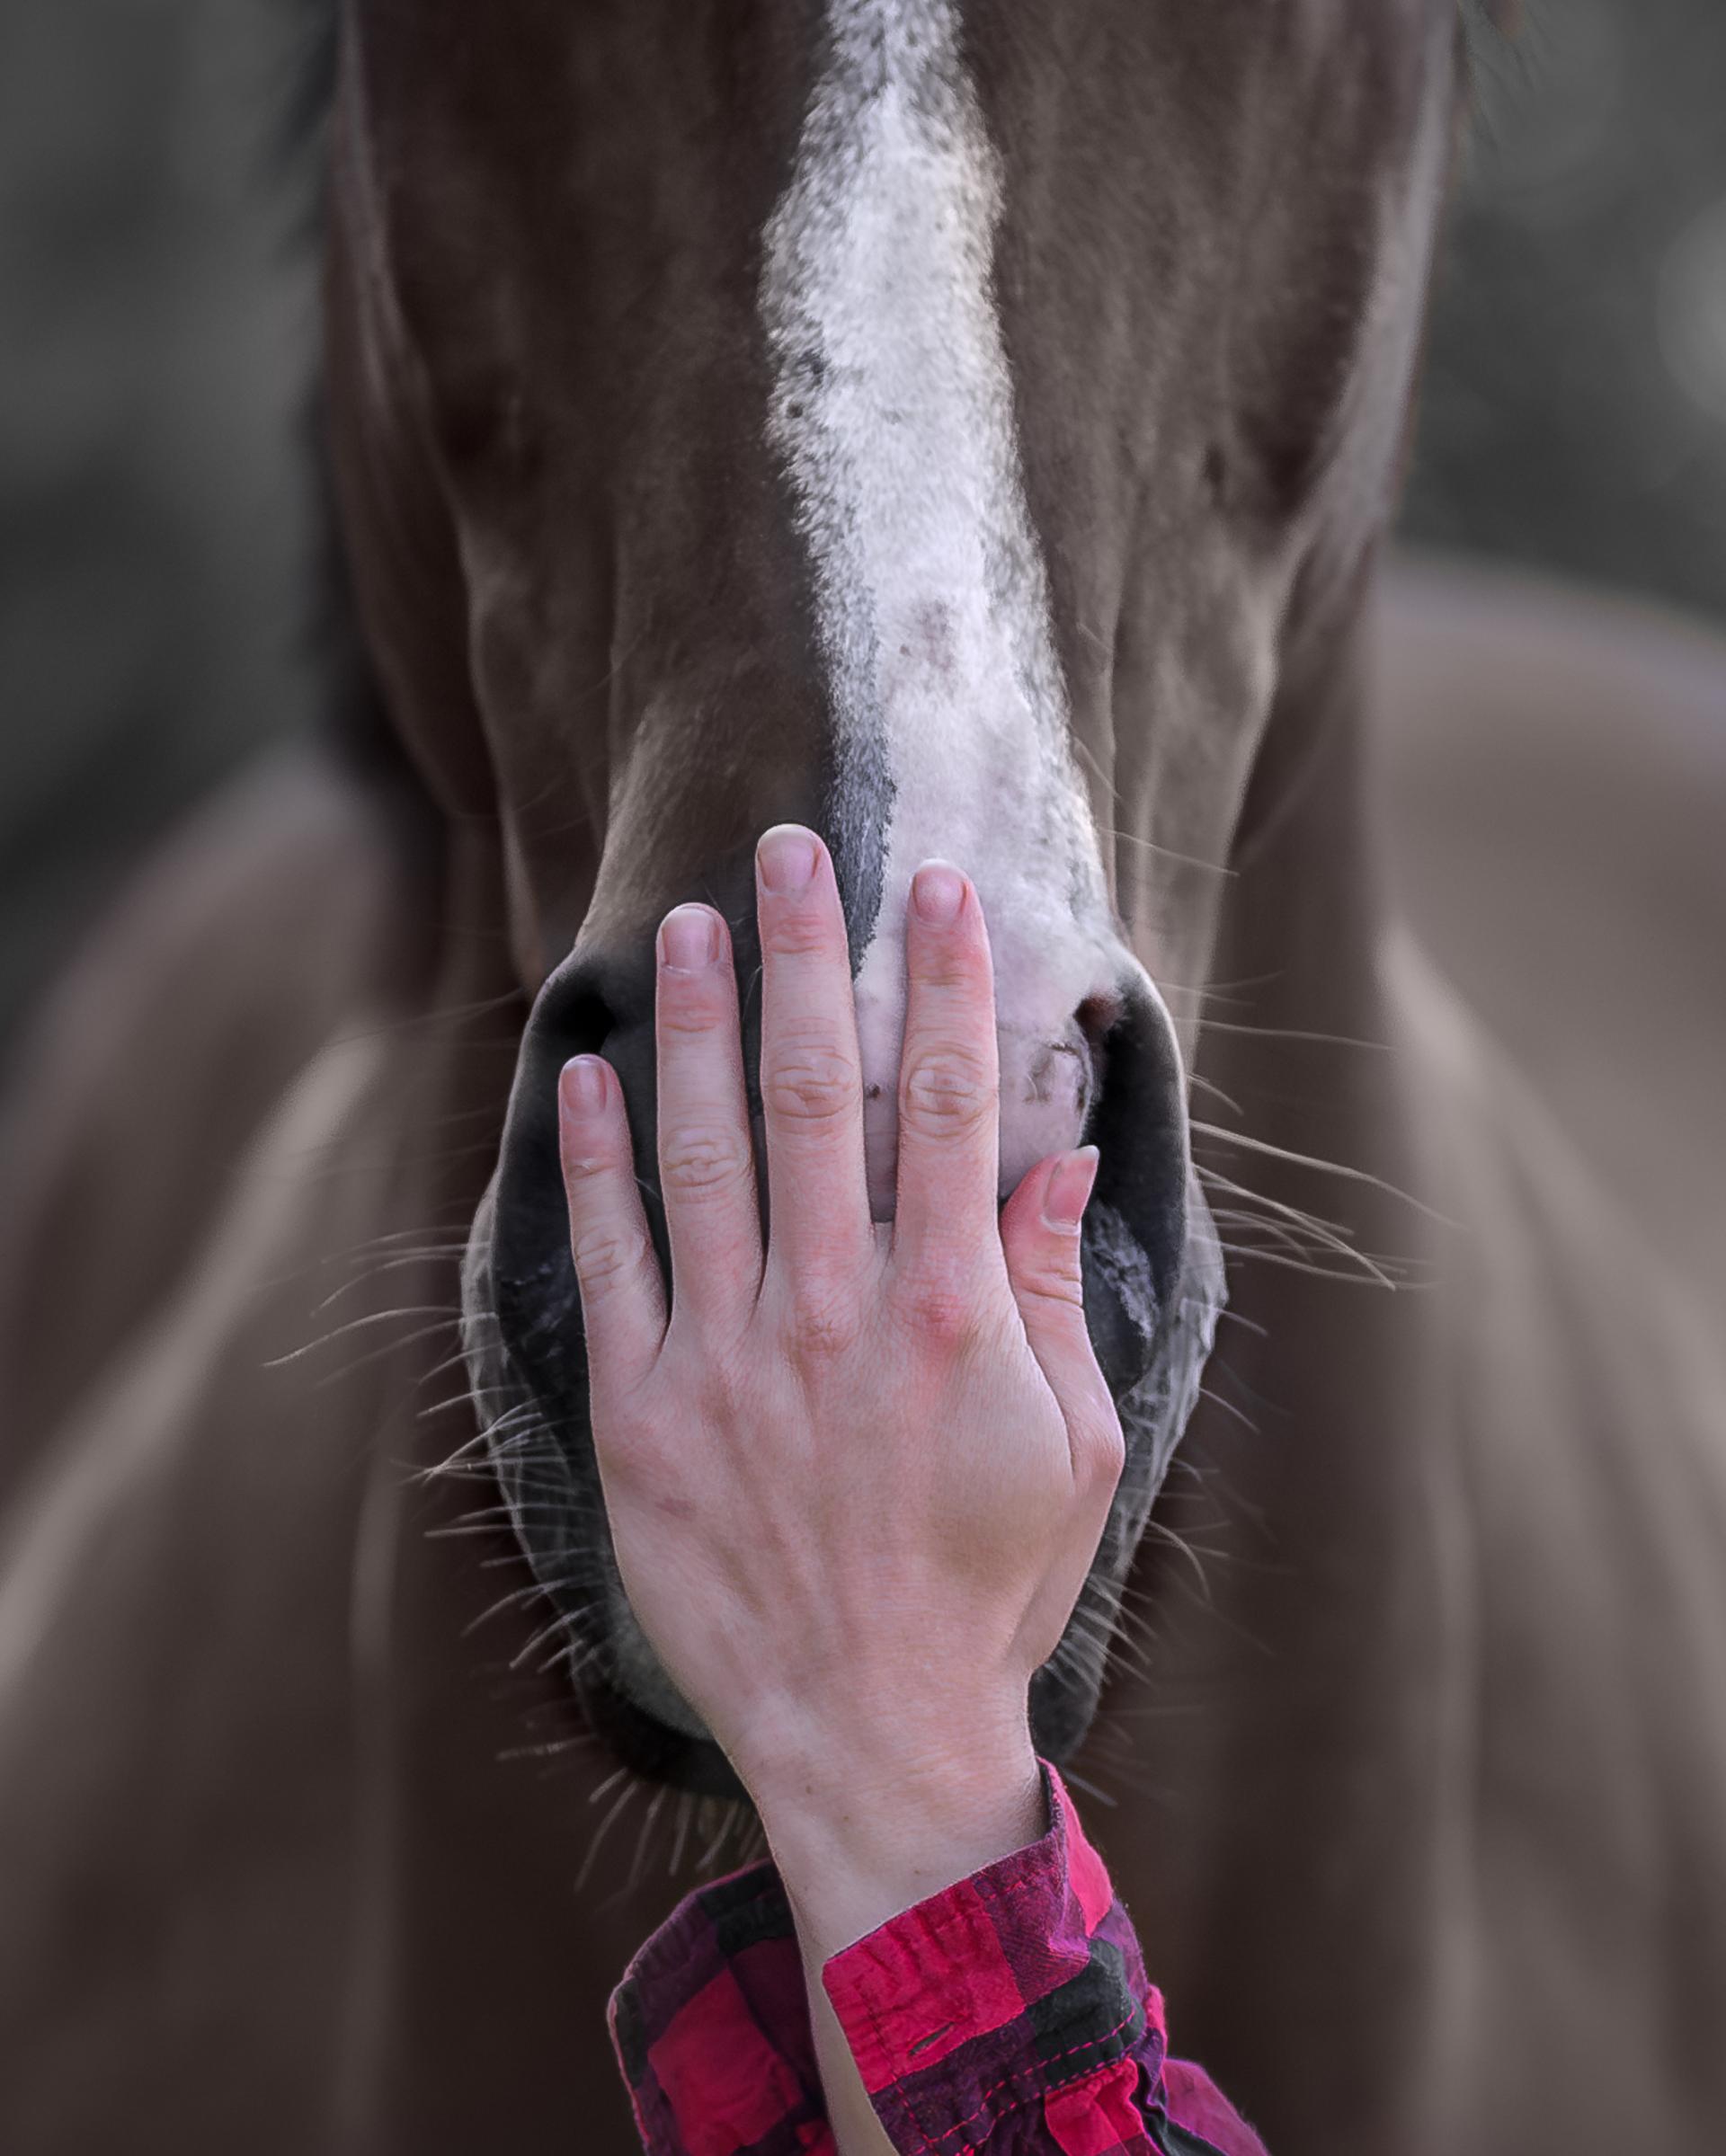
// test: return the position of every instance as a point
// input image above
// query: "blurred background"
(157, 288)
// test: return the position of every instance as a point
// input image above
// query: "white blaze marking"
(892, 412)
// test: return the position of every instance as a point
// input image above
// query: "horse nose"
(1051, 1063)
(1065, 1014)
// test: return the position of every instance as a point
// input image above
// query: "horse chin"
(530, 1380)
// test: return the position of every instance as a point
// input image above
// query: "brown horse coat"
(1420, 1801)
(278, 1848)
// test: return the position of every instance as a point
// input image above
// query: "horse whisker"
(1324, 1168)
(354, 1324)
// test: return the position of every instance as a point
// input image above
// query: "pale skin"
(855, 1475)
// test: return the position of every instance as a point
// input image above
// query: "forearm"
(857, 2130)
(850, 1862)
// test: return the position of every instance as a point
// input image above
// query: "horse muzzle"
(1152, 1283)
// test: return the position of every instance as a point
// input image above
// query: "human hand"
(856, 1480)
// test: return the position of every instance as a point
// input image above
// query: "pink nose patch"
(1046, 1089)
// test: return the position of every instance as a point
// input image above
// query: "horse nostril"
(1096, 1017)
(573, 1014)
(1138, 1121)
(1049, 1084)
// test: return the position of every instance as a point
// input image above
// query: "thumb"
(1040, 1235)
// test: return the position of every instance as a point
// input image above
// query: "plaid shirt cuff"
(1008, 2012)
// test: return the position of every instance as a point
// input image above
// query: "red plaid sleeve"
(1008, 2013)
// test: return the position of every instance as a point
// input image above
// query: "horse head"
(965, 429)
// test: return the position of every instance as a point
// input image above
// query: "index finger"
(949, 1080)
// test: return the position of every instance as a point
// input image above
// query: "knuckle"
(822, 1328)
(719, 1395)
(694, 1007)
(1101, 1443)
(605, 1258)
(697, 1003)
(695, 1158)
(629, 1444)
(941, 1313)
(810, 1081)
(956, 966)
(581, 1170)
(947, 1090)
(797, 929)
(1058, 1285)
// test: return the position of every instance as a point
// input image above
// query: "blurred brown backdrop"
(155, 286)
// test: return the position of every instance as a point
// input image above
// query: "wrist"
(860, 1833)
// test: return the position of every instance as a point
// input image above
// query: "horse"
(968, 429)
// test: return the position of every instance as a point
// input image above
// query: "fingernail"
(583, 1085)
(786, 858)
(938, 892)
(688, 939)
(1070, 1189)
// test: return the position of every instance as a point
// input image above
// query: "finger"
(949, 1083)
(1040, 1233)
(812, 1087)
(623, 1300)
(706, 1170)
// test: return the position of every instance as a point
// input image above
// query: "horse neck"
(1306, 1131)
(1289, 1720)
